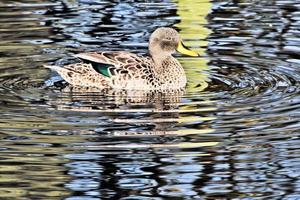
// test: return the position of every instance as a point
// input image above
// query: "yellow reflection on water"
(193, 31)
(34, 166)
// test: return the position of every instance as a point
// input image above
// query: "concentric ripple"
(233, 134)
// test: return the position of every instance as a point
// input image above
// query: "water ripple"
(233, 134)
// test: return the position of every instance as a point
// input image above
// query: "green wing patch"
(102, 69)
(105, 69)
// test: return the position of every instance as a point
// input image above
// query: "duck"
(159, 71)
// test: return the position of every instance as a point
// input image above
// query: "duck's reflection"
(145, 113)
(125, 97)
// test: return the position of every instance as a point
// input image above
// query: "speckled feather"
(161, 71)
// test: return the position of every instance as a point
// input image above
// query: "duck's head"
(166, 41)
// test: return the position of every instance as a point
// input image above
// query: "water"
(233, 135)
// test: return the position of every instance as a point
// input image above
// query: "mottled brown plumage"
(124, 70)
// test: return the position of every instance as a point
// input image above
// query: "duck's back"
(119, 70)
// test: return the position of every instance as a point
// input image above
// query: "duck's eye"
(168, 45)
(168, 38)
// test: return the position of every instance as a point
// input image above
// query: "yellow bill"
(186, 51)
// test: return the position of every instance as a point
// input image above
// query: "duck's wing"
(114, 63)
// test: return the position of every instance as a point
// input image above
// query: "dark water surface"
(233, 135)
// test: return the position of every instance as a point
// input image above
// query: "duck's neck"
(169, 70)
(160, 59)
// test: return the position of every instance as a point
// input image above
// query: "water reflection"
(155, 114)
(233, 134)
(191, 25)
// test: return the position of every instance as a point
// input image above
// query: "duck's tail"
(53, 67)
